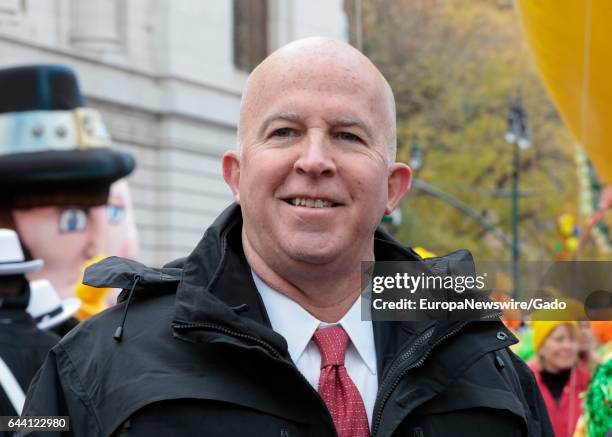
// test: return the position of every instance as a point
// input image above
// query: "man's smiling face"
(313, 175)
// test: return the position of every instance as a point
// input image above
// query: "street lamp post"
(416, 156)
(416, 161)
(517, 135)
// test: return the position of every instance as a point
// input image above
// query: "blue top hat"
(53, 149)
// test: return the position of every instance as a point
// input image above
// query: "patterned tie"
(335, 385)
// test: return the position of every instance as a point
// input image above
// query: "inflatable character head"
(56, 170)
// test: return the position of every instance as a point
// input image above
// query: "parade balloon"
(570, 42)
(566, 223)
(571, 244)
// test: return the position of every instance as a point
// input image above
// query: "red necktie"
(336, 386)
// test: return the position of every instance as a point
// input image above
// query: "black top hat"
(39, 87)
(51, 146)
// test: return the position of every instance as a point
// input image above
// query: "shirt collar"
(298, 326)
(361, 335)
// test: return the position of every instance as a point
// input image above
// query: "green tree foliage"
(455, 68)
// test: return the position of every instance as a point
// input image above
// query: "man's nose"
(96, 231)
(315, 157)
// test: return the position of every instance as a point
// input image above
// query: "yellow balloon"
(571, 44)
(93, 300)
(571, 244)
(566, 224)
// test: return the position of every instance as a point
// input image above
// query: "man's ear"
(231, 172)
(400, 177)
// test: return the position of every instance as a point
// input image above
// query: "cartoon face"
(65, 238)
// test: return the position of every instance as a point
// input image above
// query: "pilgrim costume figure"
(56, 172)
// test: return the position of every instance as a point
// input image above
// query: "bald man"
(258, 331)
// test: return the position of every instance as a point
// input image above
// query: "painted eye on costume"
(115, 214)
(73, 220)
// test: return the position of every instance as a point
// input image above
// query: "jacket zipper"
(418, 342)
(266, 346)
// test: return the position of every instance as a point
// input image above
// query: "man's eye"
(284, 132)
(347, 136)
(73, 220)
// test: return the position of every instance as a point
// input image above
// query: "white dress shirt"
(298, 326)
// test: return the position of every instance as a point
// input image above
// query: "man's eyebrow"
(287, 116)
(352, 121)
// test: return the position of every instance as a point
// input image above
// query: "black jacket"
(23, 348)
(197, 356)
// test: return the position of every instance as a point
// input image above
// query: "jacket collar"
(217, 268)
(217, 288)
